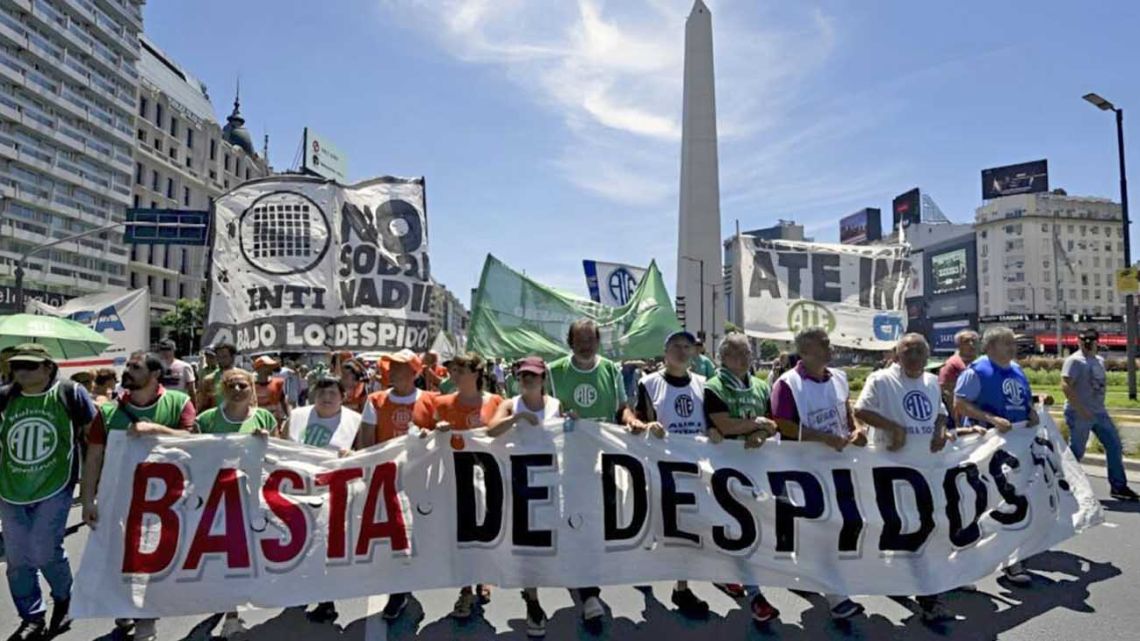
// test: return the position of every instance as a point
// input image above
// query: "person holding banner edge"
(993, 392)
(811, 402)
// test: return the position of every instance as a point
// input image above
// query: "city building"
(68, 94)
(1044, 253)
(447, 313)
(184, 159)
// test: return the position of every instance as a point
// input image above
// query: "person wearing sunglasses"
(238, 414)
(41, 421)
(145, 408)
(1083, 381)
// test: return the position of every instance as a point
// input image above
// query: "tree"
(185, 322)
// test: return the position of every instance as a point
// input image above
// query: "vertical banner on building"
(856, 293)
(122, 317)
(611, 284)
(304, 264)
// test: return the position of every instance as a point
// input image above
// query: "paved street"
(1087, 585)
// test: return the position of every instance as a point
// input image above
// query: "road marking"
(375, 627)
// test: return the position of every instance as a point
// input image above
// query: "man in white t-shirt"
(177, 374)
(903, 405)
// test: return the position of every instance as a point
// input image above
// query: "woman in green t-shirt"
(238, 413)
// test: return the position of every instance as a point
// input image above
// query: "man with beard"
(145, 408)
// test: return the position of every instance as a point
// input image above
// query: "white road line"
(375, 628)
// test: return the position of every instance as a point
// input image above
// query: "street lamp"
(701, 281)
(1129, 312)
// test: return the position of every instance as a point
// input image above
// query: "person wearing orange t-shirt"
(271, 389)
(389, 414)
(353, 376)
(466, 409)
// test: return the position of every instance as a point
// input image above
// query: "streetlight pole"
(701, 281)
(1129, 311)
(23, 259)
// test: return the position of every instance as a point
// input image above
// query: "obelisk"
(698, 226)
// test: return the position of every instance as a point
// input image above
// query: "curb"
(1098, 460)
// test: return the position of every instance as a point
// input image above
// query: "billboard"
(915, 284)
(8, 298)
(906, 209)
(942, 335)
(122, 317)
(949, 272)
(1026, 178)
(611, 284)
(323, 159)
(861, 227)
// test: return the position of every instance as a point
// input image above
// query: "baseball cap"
(1089, 333)
(264, 361)
(404, 356)
(532, 364)
(30, 353)
(166, 345)
(681, 334)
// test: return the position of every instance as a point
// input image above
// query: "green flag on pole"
(514, 316)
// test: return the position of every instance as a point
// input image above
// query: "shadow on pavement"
(1131, 507)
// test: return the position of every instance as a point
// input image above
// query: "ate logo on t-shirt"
(31, 440)
(917, 406)
(585, 395)
(683, 406)
(1013, 391)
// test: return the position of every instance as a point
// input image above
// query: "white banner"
(302, 264)
(854, 292)
(122, 317)
(202, 524)
(611, 284)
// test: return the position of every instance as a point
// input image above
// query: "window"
(173, 126)
(226, 162)
(1047, 277)
(1083, 230)
(983, 233)
(1070, 245)
(1045, 227)
(1094, 230)
(213, 149)
(135, 201)
(226, 182)
(134, 253)
(984, 252)
(213, 175)
(186, 196)
(181, 290)
(1070, 229)
(154, 204)
(1096, 261)
(134, 281)
(1048, 294)
(189, 164)
(1108, 247)
(1084, 280)
(154, 180)
(174, 153)
(138, 173)
(142, 106)
(158, 144)
(166, 288)
(166, 258)
(1096, 280)
(986, 298)
(1073, 294)
(247, 173)
(150, 283)
(1111, 296)
(142, 135)
(185, 262)
(1096, 294)
(170, 188)
(1084, 294)
(189, 138)
(158, 115)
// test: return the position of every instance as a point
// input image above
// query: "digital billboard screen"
(949, 272)
(1026, 178)
(906, 209)
(861, 227)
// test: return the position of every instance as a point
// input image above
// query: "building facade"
(447, 313)
(183, 160)
(68, 93)
(1040, 254)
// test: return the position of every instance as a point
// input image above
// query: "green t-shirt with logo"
(167, 410)
(703, 365)
(37, 446)
(214, 421)
(744, 399)
(595, 394)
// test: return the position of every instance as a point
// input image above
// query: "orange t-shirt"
(464, 417)
(356, 398)
(391, 418)
(270, 395)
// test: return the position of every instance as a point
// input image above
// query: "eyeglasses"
(135, 366)
(238, 385)
(23, 366)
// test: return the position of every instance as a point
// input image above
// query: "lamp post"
(1129, 312)
(701, 280)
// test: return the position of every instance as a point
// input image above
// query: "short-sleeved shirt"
(914, 403)
(1087, 378)
(392, 414)
(177, 376)
(462, 416)
(40, 437)
(1001, 391)
(746, 398)
(171, 408)
(335, 433)
(784, 402)
(597, 393)
(951, 370)
(214, 421)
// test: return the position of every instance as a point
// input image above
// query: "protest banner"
(611, 284)
(856, 293)
(122, 317)
(301, 264)
(515, 316)
(202, 524)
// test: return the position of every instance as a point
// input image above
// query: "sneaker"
(464, 606)
(1125, 494)
(232, 626)
(1017, 575)
(936, 611)
(60, 617)
(846, 609)
(30, 630)
(592, 609)
(325, 612)
(733, 590)
(535, 619)
(762, 611)
(689, 604)
(396, 605)
(145, 630)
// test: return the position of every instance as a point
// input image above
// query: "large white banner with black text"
(855, 292)
(205, 523)
(304, 264)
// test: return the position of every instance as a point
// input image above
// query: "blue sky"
(549, 130)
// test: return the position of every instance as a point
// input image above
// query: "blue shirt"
(1001, 391)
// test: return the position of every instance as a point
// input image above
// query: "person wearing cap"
(389, 414)
(529, 410)
(144, 408)
(178, 374)
(270, 389)
(589, 387)
(701, 364)
(210, 391)
(671, 401)
(42, 420)
(1083, 381)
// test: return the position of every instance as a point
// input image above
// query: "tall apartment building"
(447, 313)
(184, 159)
(1032, 245)
(68, 93)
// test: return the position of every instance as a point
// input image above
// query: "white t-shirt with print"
(334, 433)
(915, 403)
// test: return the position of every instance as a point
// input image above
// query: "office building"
(68, 94)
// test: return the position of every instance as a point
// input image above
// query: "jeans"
(33, 544)
(1100, 424)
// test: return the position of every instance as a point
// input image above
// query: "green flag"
(514, 316)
